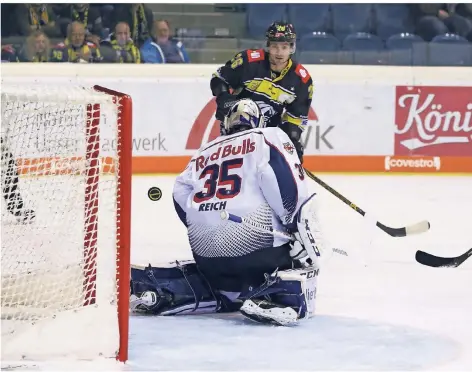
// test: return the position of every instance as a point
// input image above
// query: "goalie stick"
(396, 232)
(232, 217)
(428, 259)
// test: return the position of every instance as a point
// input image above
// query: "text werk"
(222, 152)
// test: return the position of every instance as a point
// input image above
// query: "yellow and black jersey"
(283, 97)
(65, 52)
(127, 53)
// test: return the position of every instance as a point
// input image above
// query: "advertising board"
(433, 120)
(362, 118)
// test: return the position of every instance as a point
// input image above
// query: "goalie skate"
(263, 311)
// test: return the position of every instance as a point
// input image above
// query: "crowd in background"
(132, 33)
(437, 19)
(88, 33)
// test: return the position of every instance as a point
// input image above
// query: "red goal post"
(123, 228)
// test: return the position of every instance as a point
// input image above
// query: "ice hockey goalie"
(262, 259)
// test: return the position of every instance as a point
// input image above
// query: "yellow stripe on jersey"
(300, 122)
(270, 90)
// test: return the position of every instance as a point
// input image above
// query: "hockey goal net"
(65, 272)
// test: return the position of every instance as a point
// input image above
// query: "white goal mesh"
(62, 217)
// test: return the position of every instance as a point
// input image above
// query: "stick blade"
(431, 260)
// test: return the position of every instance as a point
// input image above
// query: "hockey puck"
(154, 193)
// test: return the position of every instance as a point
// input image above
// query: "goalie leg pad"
(309, 232)
(177, 288)
(285, 297)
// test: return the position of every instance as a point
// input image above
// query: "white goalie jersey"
(255, 174)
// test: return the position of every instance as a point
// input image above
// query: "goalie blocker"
(283, 298)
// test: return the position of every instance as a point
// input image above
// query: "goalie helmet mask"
(245, 114)
(281, 31)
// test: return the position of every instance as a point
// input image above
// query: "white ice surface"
(378, 310)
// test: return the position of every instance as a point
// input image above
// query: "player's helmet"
(281, 31)
(244, 114)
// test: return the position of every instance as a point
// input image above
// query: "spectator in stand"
(35, 49)
(88, 15)
(75, 48)
(437, 19)
(139, 18)
(120, 48)
(161, 48)
(33, 17)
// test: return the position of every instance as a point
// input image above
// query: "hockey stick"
(416, 228)
(232, 217)
(428, 259)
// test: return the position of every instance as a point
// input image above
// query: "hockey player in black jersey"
(282, 87)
